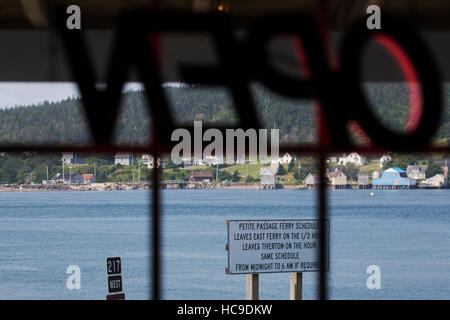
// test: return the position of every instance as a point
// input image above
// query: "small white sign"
(267, 246)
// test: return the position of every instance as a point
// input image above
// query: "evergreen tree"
(433, 169)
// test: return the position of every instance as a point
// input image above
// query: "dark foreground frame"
(137, 44)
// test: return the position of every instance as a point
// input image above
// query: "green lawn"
(370, 167)
(242, 169)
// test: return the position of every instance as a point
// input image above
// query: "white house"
(338, 179)
(267, 178)
(213, 160)
(72, 158)
(332, 159)
(67, 157)
(310, 181)
(438, 180)
(385, 158)
(124, 159)
(416, 172)
(286, 159)
(375, 175)
(147, 160)
(353, 157)
(198, 162)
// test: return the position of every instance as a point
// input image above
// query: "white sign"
(266, 246)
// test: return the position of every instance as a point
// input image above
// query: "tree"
(170, 164)
(281, 170)
(235, 177)
(249, 179)
(291, 166)
(225, 175)
(296, 176)
(401, 161)
(433, 169)
(351, 170)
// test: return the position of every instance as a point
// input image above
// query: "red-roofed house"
(88, 178)
(201, 177)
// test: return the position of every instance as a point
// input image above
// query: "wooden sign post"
(296, 285)
(252, 286)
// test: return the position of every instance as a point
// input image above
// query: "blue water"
(404, 232)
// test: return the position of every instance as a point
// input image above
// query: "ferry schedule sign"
(271, 246)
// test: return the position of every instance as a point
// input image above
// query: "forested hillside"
(63, 122)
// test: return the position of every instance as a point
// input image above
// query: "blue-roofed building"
(394, 178)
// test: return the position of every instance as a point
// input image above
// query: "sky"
(27, 93)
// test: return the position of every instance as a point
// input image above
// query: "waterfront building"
(201, 177)
(310, 181)
(438, 181)
(88, 178)
(267, 178)
(74, 178)
(363, 181)
(416, 172)
(394, 178)
(338, 180)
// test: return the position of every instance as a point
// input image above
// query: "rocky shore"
(116, 186)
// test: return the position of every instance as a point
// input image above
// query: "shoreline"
(124, 186)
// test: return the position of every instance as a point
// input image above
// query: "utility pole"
(94, 170)
(299, 167)
(70, 176)
(63, 169)
(247, 170)
(139, 172)
(217, 171)
(47, 174)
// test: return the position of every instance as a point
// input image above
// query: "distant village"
(415, 176)
(344, 171)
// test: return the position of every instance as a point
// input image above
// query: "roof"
(122, 154)
(201, 175)
(393, 176)
(422, 168)
(87, 176)
(363, 178)
(266, 172)
(437, 176)
(443, 162)
(345, 155)
(337, 173)
(332, 169)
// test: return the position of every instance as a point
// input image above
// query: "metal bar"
(156, 232)
(323, 284)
